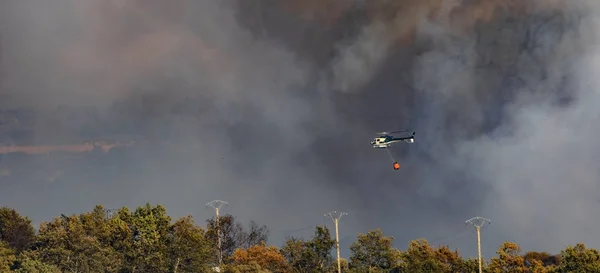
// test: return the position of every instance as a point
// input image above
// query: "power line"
(452, 235)
(217, 204)
(290, 231)
(336, 216)
(478, 222)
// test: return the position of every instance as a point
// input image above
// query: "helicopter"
(386, 139)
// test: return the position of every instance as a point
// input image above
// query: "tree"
(15, 229)
(536, 266)
(66, 243)
(508, 260)
(188, 248)
(297, 254)
(343, 264)
(320, 247)
(148, 251)
(541, 262)
(544, 257)
(310, 256)
(373, 251)
(266, 257)
(451, 261)
(7, 257)
(28, 262)
(234, 235)
(470, 265)
(96, 223)
(579, 259)
(121, 238)
(254, 235)
(146, 240)
(422, 257)
(252, 267)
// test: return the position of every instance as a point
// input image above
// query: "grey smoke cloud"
(539, 160)
(358, 62)
(251, 113)
(246, 121)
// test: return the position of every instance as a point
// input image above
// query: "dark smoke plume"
(270, 105)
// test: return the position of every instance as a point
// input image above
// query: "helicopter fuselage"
(387, 141)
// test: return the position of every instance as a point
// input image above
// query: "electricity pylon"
(217, 204)
(110, 212)
(478, 222)
(336, 216)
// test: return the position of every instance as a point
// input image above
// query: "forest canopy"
(147, 239)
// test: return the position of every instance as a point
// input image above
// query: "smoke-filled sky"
(270, 105)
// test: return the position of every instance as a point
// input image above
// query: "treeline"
(148, 240)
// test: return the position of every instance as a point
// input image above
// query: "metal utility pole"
(217, 204)
(336, 216)
(110, 212)
(478, 222)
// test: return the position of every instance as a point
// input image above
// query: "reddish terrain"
(75, 148)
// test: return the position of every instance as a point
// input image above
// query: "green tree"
(188, 249)
(310, 256)
(7, 257)
(297, 253)
(97, 223)
(146, 240)
(422, 257)
(121, 237)
(470, 265)
(451, 261)
(320, 247)
(508, 260)
(579, 259)
(343, 264)
(373, 252)
(29, 262)
(251, 267)
(148, 250)
(66, 243)
(15, 229)
(536, 266)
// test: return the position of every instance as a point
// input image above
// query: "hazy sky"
(271, 106)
